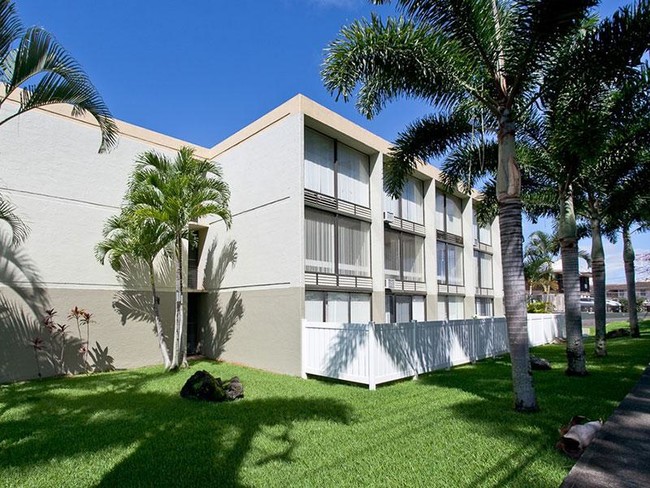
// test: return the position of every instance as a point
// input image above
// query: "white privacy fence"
(372, 353)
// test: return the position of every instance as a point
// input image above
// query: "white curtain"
(359, 308)
(353, 176)
(314, 306)
(413, 259)
(485, 262)
(481, 234)
(319, 241)
(453, 216)
(337, 307)
(455, 264)
(354, 247)
(418, 308)
(441, 248)
(485, 235)
(391, 205)
(456, 308)
(319, 163)
(391, 255)
(413, 201)
(484, 307)
(440, 210)
(402, 308)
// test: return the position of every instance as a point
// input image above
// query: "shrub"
(540, 307)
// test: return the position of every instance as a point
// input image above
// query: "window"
(451, 307)
(350, 255)
(483, 264)
(411, 205)
(404, 308)
(353, 247)
(403, 256)
(450, 264)
(482, 234)
(319, 242)
(328, 161)
(193, 258)
(448, 214)
(337, 307)
(484, 307)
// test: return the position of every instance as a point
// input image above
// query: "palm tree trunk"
(178, 316)
(157, 321)
(598, 273)
(514, 286)
(630, 279)
(575, 349)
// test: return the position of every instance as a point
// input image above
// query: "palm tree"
(539, 255)
(462, 56)
(629, 212)
(171, 193)
(125, 237)
(34, 63)
(562, 135)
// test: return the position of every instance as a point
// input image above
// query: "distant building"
(620, 291)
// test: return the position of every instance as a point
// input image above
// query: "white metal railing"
(372, 353)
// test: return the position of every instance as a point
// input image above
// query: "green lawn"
(451, 428)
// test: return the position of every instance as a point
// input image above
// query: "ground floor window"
(484, 307)
(345, 308)
(404, 308)
(451, 307)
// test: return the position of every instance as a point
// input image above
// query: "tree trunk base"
(523, 409)
(570, 372)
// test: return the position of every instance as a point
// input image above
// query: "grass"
(617, 325)
(450, 428)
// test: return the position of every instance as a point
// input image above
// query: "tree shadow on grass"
(164, 439)
(489, 408)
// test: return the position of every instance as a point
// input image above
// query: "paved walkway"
(619, 456)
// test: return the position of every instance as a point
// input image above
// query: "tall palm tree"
(171, 193)
(126, 237)
(629, 212)
(34, 63)
(461, 56)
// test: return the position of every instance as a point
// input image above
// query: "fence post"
(414, 345)
(372, 343)
(303, 349)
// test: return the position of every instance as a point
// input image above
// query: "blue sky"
(201, 70)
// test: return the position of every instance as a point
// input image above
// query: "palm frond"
(425, 138)
(19, 229)
(10, 29)
(63, 81)
(391, 59)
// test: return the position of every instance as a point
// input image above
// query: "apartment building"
(314, 237)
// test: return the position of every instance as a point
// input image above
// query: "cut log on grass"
(577, 435)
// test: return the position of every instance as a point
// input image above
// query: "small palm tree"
(34, 63)
(125, 237)
(171, 193)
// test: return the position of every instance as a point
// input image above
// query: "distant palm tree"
(539, 254)
(171, 193)
(32, 61)
(126, 237)
(465, 57)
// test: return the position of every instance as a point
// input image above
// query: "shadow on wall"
(134, 301)
(220, 320)
(28, 349)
